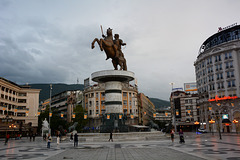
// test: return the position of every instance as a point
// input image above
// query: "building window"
(231, 83)
(125, 102)
(102, 94)
(90, 103)
(103, 111)
(228, 55)
(124, 94)
(102, 103)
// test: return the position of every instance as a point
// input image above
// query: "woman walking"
(172, 135)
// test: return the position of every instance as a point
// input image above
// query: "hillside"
(56, 88)
(60, 87)
(159, 103)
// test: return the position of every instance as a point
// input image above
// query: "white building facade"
(217, 71)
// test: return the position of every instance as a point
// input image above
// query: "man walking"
(49, 140)
(110, 139)
(75, 140)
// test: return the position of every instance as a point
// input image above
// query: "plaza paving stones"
(196, 147)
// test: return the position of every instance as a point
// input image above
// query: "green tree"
(55, 120)
(79, 117)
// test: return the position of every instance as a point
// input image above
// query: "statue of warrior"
(112, 48)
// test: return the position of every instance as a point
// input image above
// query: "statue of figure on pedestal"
(45, 125)
(112, 48)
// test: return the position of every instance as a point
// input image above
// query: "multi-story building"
(163, 115)
(146, 110)
(94, 97)
(18, 105)
(64, 102)
(217, 71)
(184, 110)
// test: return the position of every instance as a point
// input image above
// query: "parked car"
(202, 130)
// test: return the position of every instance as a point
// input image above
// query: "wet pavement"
(204, 146)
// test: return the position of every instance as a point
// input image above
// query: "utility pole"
(49, 131)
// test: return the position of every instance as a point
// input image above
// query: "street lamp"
(212, 122)
(49, 130)
(218, 116)
(13, 126)
(172, 83)
(235, 122)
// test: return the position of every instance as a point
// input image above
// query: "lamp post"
(235, 122)
(218, 116)
(13, 126)
(212, 122)
(49, 129)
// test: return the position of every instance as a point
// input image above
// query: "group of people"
(181, 137)
(74, 138)
(49, 139)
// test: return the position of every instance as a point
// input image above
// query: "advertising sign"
(190, 87)
(225, 116)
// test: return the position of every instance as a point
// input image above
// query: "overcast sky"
(48, 41)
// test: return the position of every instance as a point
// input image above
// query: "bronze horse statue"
(107, 45)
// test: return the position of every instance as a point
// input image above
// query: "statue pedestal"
(113, 80)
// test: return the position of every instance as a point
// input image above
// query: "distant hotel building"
(18, 105)
(217, 71)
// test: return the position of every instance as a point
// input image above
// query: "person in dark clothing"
(34, 135)
(7, 138)
(172, 135)
(181, 136)
(71, 137)
(49, 140)
(30, 135)
(110, 137)
(75, 140)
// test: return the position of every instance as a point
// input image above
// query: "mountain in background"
(56, 88)
(159, 104)
(60, 87)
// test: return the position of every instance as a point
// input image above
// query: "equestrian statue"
(112, 48)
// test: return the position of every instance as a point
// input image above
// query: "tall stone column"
(113, 97)
(113, 80)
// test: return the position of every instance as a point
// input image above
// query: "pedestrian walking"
(75, 140)
(30, 135)
(58, 140)
(110, 138)
(49, 140)
(71, 137)
(7, 138)
(34, 135)
(172, 135)
(181, 136)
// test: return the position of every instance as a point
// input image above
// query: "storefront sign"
(221, 29)
(223, 98)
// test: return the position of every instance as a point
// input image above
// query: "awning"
(226, 121)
